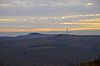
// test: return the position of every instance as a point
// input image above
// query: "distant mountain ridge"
(35, 34)
(42, 34)
(35, 49)
(83, 32)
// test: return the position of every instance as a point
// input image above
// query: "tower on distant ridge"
(67, 30)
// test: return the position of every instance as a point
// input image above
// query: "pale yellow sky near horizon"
(46, 29)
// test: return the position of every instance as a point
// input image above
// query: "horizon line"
(45, 29)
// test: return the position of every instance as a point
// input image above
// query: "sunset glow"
(46, 29)
(49, 15)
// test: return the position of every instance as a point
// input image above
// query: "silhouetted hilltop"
(35, 34)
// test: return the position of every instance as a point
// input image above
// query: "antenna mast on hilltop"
(67, 30)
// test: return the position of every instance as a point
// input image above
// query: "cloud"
(26, 14)
(47, 7)
(8, 20)
(84, 25)
(95, 17)
(83, 20)
(32, 3)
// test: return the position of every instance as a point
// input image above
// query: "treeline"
(90, 63)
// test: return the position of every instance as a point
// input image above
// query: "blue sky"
(49, 15)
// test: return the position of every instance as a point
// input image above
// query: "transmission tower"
(67, 30)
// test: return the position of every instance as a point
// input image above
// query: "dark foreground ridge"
(36, 49)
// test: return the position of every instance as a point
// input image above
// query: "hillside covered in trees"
(37, 49)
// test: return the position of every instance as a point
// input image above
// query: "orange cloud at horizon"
(46, 29)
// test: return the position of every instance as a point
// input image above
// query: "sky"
(49, 15)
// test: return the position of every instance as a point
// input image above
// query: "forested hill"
(36, 49)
